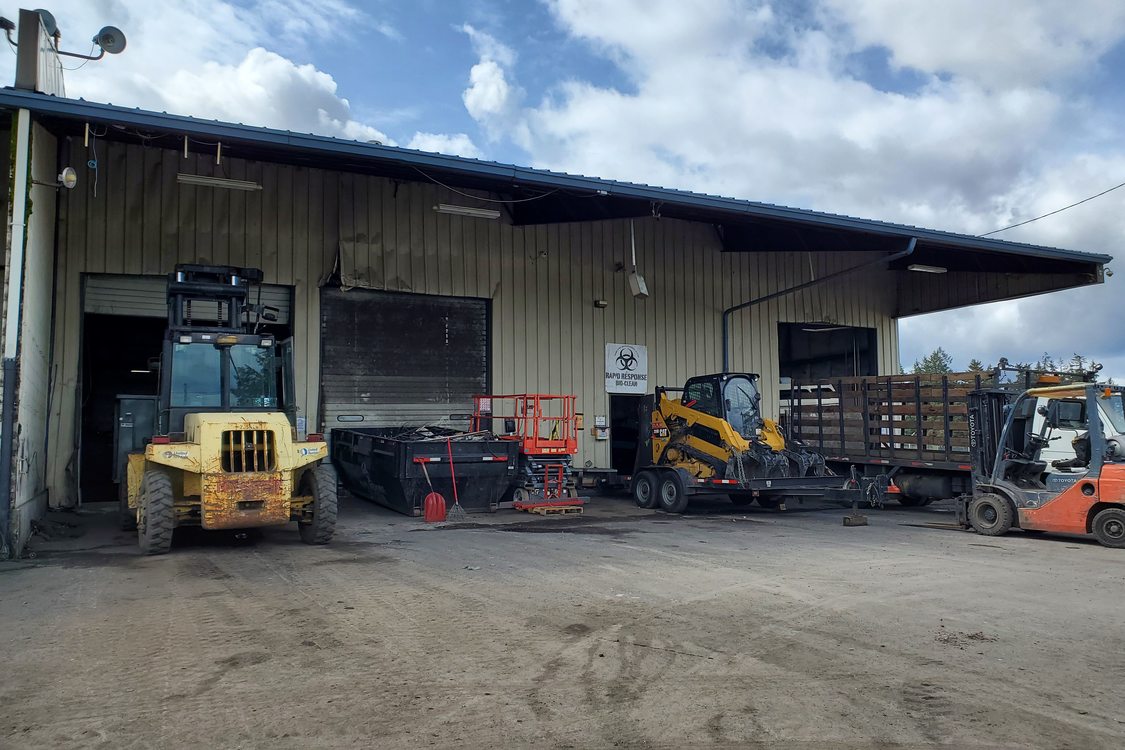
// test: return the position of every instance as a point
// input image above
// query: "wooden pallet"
(557, 510)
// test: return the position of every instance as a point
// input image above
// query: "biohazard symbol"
(626, 359)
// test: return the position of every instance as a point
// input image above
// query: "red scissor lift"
(546, 426)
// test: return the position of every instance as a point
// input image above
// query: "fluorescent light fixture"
(926, 269)
(140, 372)
(219, 182)
(477, 213)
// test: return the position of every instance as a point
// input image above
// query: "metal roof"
(698, 206)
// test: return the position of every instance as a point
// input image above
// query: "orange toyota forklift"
(1011, 486)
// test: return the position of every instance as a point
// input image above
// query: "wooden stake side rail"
(897, 419)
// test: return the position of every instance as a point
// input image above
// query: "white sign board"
(626, 368)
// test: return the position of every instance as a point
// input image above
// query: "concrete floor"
(621, 629)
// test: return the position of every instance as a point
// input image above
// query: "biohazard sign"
(626, 368)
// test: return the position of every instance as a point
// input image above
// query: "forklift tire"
(673, 496)
(157, 515)
(128, 516)
(741, 500)
(320, 482)
(991, 514)
(645, 489)
(1109, 527)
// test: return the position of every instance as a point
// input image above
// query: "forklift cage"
(544, 424)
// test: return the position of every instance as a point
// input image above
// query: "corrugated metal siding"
(541, 280)
(400, 359)
(147, 296)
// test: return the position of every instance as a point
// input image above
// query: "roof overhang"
(740, 225)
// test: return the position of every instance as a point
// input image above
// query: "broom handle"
(452, 478)
(427, 475)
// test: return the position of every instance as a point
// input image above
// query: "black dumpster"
(385, 464)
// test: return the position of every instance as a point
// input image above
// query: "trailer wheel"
(673, 496)
(1109, 527)
(320, 482)
(157, 515)
(644, 489)
(990, 514)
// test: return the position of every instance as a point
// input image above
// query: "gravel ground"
(747, 628)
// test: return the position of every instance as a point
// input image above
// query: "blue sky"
(956, 115)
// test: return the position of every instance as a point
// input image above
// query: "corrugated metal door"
(147, 296)
(393, 359)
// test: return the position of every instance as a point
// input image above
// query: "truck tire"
(645, 488)
(320, 483)
(991, 514)
(673, 496)
(128, 516)
(1109, 527)
(157, 517)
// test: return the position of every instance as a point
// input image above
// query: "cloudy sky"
(961, 115)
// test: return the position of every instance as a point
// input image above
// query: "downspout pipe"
(800, 287)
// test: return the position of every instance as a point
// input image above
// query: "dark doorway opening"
(814, 351)
(624, 432)
(116, 352)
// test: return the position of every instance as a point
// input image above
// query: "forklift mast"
(223, 291)
(987, 412)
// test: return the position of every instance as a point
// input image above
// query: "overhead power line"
(1056, 211)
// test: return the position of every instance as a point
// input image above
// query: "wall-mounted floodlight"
(476, 213)
(218, 182)
(926, 269)
(109, 40)
(67, 178)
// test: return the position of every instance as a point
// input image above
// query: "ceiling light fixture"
(926, 269)
(476, 213)
(219, 182)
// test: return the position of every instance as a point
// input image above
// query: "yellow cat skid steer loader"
(713, 440)
(224, 454)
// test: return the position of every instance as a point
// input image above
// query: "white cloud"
(273, 91)
(228, 60)
(1003, 43)
(490, 98)
(457, 144)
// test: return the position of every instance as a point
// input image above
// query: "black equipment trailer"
(389, 465)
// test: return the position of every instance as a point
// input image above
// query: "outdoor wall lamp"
(67, 178)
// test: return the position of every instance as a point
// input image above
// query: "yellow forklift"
(710, 438)
(224, 454)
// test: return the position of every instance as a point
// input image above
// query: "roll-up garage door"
(401, 359)
(146, 297)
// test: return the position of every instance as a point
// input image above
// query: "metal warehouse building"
(410, 281)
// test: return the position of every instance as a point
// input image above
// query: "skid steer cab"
(710, 438)
(225, 454)
(1014, 489)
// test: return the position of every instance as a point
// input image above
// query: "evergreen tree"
(936, 362)
(975, 365)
